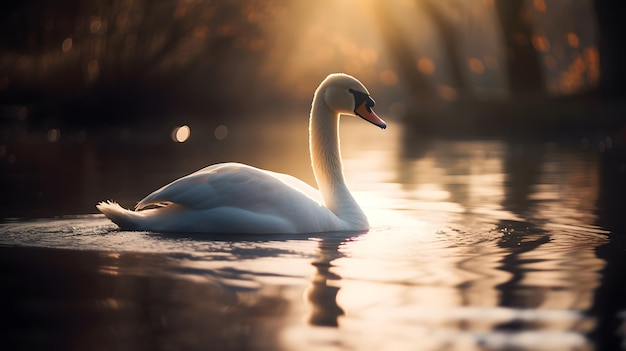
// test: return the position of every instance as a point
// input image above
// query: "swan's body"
(237, 198)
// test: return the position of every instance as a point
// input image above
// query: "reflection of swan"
(236, 198)
(322, 294)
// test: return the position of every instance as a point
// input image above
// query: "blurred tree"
(524, 69)
(114, 58)
(449, 43)
(399, 46)
(523, 65)
(611, 40)
(27, 26)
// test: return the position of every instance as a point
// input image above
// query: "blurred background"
(496, 194)
(80, 78)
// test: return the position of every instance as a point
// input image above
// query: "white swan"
(237, 198)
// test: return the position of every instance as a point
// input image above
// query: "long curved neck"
(327, 165)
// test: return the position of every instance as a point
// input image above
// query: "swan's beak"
(369, 115)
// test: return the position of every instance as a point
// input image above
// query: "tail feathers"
(125, 219)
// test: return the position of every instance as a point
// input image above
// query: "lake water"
(475, 245)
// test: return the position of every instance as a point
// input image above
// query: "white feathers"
(237, 198)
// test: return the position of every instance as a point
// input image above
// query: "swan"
(238, 198)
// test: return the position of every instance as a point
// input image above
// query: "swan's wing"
(299, 185)
(235, 185)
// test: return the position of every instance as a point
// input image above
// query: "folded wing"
(239, 186)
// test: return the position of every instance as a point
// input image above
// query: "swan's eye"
(360, 98)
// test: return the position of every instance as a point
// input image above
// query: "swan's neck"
(328, 167)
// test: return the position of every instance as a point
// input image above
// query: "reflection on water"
(322, 294)
(474, 245)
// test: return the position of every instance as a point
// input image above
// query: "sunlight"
(473, 236)
(112, 265)
(328, 37)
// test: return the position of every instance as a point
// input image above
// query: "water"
(475, 245)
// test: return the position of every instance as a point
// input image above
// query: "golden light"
(369, 56)
(476, 66)
(66, 45)
(540, 43)
(95, 25)
(540, 5)
(426, 65)
(572, 40)
(388, 77)
(181, 134)
(578, 65)
(330, 39)
(592, 59)
(447, 92)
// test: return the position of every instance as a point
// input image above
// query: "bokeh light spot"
(592, 59)
(476, 66)
(181, 134)
(540, 5)
(200, 32)
(95, 25)
(54, 135)
(540, 43)
(67, 44)
(221, 132)
(388, 77)
(447, 92)
(572, 40)
(426, 65)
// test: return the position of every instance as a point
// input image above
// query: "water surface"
(475, 245)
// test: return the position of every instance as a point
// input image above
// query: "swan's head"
(346, 95)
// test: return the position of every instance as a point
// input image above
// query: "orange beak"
(369, 115)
